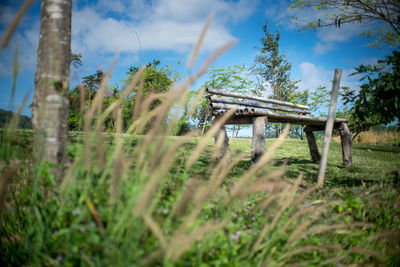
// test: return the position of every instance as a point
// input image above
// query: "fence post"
(329, 127)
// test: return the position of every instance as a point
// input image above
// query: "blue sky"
(140, 31)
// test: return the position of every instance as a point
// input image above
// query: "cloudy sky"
(140, 31)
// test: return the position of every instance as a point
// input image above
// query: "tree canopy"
(366, 12)
(378, 101)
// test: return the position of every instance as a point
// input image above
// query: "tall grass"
(142, 199)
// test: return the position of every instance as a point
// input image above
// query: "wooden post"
(258, 145)
(329, 127)
(224, 148)
(345, 137)
(312, 144)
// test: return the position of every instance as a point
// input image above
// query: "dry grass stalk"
(96, 105)
(213, 56)
(119, 168)
(7, 173)
(261, 163)
(303, 212)
(138, 102)
(196, 102)
(266, 183)
(156, 230)
(128, 90)
(181, 242)
(310, 248)
(14, 23)
(288, 200)
(320, 229)
(288, 195)
(304, 194)
(156, 158)
(267, 201)
(387, 235)
(368, 251)
(159, 174)
(185, 198)
(82, 96)
(152, 257)
(200, 41)
(204, 141)
(298, 233)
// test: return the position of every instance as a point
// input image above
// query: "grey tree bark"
(50, 103)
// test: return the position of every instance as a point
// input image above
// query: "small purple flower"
(55, 232)
(253, 218)
(240, 219)
(76, 212)
(234, 237)
(60, 258)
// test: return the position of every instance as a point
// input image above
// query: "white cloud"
(322, 48)
(313, 76)
(162, 25)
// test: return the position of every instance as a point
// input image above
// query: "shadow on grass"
(373, 148)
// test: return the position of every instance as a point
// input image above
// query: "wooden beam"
(345, 137)
(261, 99)
(258, 145)
(312, 144)
(281, 117)
(329, 127)
(214, 99)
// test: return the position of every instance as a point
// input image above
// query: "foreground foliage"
(129, 199)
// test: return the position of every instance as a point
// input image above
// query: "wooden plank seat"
(257, 111)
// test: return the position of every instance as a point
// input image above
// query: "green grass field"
(353, 219)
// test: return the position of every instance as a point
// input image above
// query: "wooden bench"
(257, 111)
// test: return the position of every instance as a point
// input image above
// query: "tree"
(155, 79)
(378, 101)
(356, 11)
(232, 78)
(50, 103)
(273, 69)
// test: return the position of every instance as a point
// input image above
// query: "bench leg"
(345, 137)
(258, 145)
(312, 145)
(223, 148)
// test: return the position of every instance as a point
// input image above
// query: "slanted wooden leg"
(312, 144)
(223, 147)
(258, 145)
(345, 137)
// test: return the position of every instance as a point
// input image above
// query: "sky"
(138, 31)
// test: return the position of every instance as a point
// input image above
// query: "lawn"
(148, 206)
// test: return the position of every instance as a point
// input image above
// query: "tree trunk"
(50, 103)
(258, 145)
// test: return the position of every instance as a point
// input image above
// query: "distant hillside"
(6, 115)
